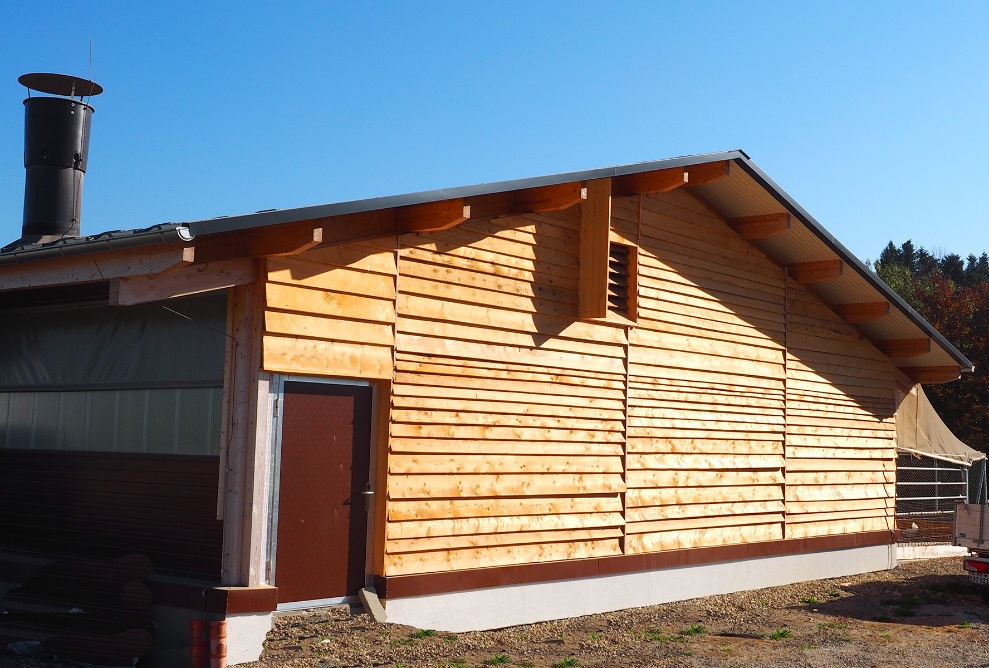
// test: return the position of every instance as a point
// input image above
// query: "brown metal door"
(322, 520)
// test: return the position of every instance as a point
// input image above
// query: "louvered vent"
(618, 280)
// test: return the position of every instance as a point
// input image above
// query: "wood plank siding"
(725, 405)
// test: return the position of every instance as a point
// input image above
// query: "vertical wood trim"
(786, 386)
(258, 471)
(385, 405)
(595, 232)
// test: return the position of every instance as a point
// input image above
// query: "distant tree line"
(952, 294)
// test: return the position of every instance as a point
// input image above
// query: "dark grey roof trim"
(846, 255)
(166, 233)
(279, 216)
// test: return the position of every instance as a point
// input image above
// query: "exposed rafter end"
(645, 183)
(932, 374)
(699, 175)
(431, 216)
(815, 272)
(863, 312)
(760, 227)
(530, 200)
(904, 348)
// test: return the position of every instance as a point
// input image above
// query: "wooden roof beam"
(431, 216)
(927, 375)
(806, 273)
(904, 348)
(760, 227)
(863, 312)
(287, 239)
(179, 283)
(645, 183)
(708, 172)
(92, 267)
(530, 200)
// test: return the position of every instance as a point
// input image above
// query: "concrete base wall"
(245, 636)
(525, 604)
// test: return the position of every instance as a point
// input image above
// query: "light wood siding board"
(507, 431)
(706, 391)
(841, 469)
(331, 312)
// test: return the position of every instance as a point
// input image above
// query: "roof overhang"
(731, 186)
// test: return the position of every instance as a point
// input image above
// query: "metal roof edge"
(847, 256)
(280, 216)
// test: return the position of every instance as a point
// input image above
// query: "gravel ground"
(921, 614)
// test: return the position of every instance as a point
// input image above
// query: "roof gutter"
(159, 234)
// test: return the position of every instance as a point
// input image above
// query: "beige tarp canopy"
(919, 429)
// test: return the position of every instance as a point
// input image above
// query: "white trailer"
(972, 531)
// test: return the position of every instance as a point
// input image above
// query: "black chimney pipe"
(56, 152)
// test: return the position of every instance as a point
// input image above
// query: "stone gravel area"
(923, 613)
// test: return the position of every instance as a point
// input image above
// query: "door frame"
(278, 381)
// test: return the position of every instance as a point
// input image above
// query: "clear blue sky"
(872, 115)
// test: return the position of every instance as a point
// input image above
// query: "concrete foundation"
(525, 604)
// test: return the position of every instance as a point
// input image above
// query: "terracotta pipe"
(218, 644)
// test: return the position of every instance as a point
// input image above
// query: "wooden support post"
(904, 348)
(245, 442)
(760, 227)
(863, 312)
(816, 272)
(595, 232)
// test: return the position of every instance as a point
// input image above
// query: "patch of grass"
(965, 624)
(569, 662)
(496, 660)
(423, 633)
(805, 647)
(395, 642)
(526, 664)
(834, 593)
(401, 665)
(885, 636)
(658, 636)
(779, 634)
(809, 600)
(694, 630)
(597, 636)
(832, 625)
(458, 662)
(726, 649)
(453, 637)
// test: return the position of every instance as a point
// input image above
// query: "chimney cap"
(60, 84)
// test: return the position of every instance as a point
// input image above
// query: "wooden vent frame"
(622, 270)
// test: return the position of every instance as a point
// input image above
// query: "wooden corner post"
(242, 501)
(595, 231)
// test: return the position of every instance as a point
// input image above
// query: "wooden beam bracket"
(760, 227)
(904, 348)
(815, 272)
(862, 312)
(927, 375)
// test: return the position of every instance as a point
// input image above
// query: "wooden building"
(495, 404)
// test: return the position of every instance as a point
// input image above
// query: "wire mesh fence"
(926, 491)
